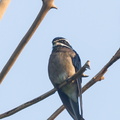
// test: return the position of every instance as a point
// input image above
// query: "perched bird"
(63, 63)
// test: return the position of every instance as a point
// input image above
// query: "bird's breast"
(60, 67)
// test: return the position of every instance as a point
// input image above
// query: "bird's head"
(61, 41)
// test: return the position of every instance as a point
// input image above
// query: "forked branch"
(47, 5)
(100, 74)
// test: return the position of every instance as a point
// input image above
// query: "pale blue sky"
(93, 29)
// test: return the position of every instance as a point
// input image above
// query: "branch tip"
(87, 64)
(84, 75)
(49, 3)
(102, 78)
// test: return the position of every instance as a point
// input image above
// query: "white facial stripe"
(56, 44)
(60, 40)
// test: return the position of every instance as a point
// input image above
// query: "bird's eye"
(63, 41)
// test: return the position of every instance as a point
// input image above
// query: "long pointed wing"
(77, 64)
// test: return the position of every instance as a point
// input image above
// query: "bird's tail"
(79, 82)
(75, 108)
(71, 106)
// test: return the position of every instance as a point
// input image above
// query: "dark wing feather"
(77, 64)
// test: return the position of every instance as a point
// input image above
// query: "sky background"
(93, 29)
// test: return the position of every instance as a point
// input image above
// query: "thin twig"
(27, 104)
(95, 79)
(47, 5)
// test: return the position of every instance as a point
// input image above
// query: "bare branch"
(27, 104)
(100, 74)
(3, 6)
(47, 5)
(95, 79)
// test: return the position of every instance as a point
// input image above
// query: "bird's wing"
(77, 64)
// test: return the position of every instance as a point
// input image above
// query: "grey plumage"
(63, 63)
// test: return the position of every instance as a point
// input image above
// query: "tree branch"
(99, 75)
(3, 6)
(47, 5)
(27, 104)
(95, 79)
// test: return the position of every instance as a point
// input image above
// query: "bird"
(63, 63)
